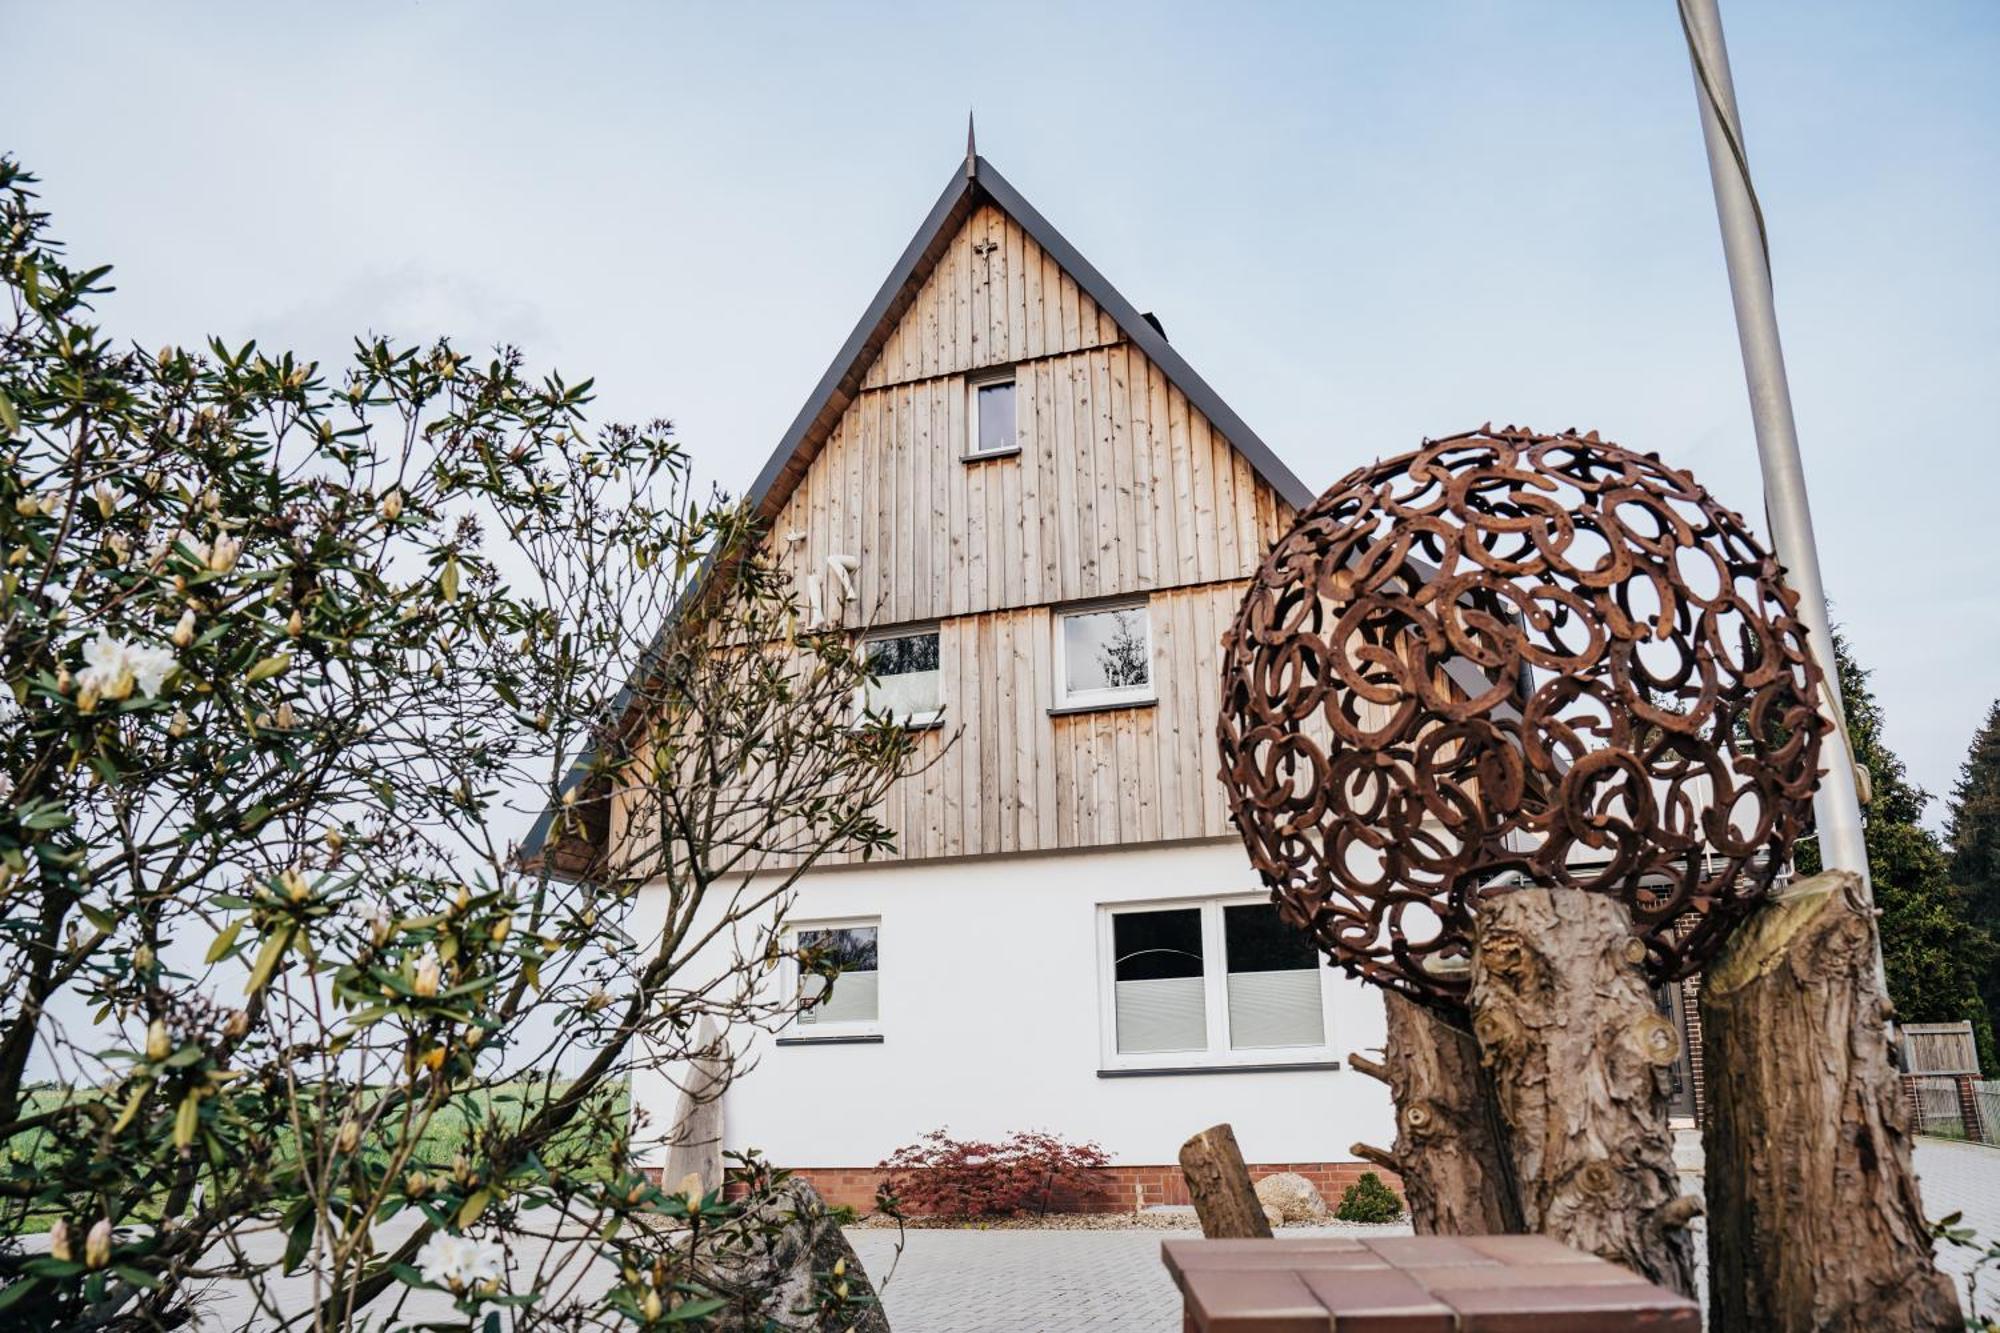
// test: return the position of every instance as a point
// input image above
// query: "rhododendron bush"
(292, 657)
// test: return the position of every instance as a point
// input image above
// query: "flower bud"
(295, 885)
(286, 718)
(348, 1138)
(497, 932)
(97, 1245)
(158, 1044)
(426, 984)
(296, 625)
(59, 1242)
(649, 1305)
(142, 958)
(237, 1025)
(177, 725)
(183, 634)
(222, 556)
(392, 506)
(416, 1184)
(86, 702)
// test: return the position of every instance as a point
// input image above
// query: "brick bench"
(1414, 1284)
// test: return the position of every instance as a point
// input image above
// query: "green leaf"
(10, 420)
(470, 1210)
(132, 1105)
(267, 668)
(14, 1291)
(225, 941)
(300, 1239)
(268, 958)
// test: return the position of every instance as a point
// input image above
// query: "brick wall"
(1126, 1187)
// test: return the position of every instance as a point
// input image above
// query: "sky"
(1363, 224)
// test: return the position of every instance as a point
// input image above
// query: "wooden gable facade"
(1131, 480)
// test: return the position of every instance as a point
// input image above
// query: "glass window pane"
(1257, 940)
(852, 947)
(908, 683)
(996, 417)
(903, 654)
(1159, 994)
(855, 989)
(1274, 982)
(1151, 945)
(1107, 650)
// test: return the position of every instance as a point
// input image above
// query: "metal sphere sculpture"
(1511, 659)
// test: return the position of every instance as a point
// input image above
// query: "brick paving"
(1113, 1282)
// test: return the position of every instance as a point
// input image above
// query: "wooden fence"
(1939, 1048)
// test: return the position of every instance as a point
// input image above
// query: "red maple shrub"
(951, 1177)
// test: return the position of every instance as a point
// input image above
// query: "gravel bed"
(1153, 1219)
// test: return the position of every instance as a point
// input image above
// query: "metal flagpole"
(1837, 806)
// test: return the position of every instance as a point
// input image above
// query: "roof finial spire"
(971, 148)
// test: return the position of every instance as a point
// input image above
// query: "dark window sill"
(1218, 1069)
(1102, 706)
(846, 1039)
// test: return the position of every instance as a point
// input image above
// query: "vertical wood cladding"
(1120, 488)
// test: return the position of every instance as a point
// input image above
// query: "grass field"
(443, 1138)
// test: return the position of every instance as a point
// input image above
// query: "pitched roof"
(975, 183)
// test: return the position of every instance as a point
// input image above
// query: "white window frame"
(916, 721)
(973, 384)
(1215, 991)
(820, 1029)
(1122, 696)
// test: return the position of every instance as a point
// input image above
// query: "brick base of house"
(1126, 1188)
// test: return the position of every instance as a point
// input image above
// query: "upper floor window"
(849, 1005)
(991, 417)
(908, 687)
(1105, 656)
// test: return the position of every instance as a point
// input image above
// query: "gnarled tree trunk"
(1450, 1150)
(1579, 1058)
(1815, 1222)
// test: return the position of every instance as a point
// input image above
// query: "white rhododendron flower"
(460, 1262)
(111, 667)
(151, 665)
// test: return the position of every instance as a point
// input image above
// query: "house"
(1046, 519)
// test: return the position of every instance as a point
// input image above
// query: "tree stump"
(1219, 1184)
(1579, 1061)
(1828, 1232)
(1450, 1145)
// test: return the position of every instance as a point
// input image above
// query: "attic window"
(990, 418)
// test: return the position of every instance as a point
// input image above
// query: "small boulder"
(1274, 1217)
(1293, 1196)
(776, 1262)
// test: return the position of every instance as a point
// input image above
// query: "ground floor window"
(1208, 981)
(851, 1003)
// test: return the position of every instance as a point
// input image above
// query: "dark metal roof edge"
(1149, 339)
(844, 362)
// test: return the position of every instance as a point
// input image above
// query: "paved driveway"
(1112, 1281)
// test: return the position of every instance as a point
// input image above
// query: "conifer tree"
(1933, 950)
(1973, 837)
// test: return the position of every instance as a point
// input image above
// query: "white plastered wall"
(990, 1019)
